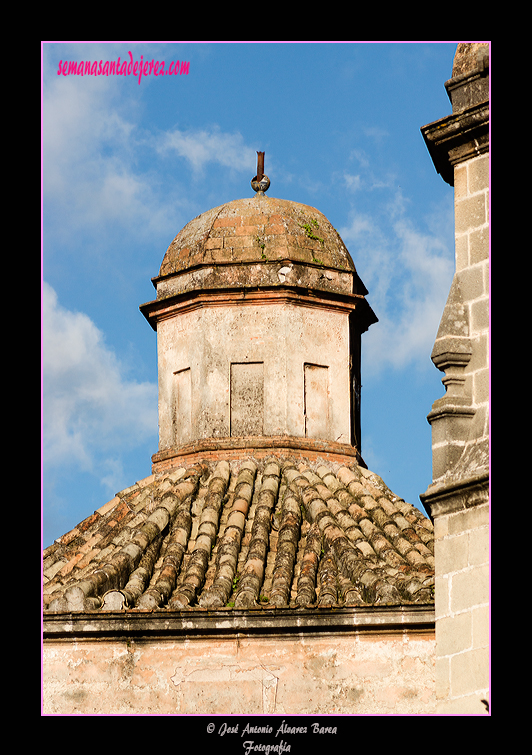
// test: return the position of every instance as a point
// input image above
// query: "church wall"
(354, 674)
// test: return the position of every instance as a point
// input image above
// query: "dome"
(258, 229)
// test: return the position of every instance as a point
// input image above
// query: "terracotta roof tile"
(245, 534)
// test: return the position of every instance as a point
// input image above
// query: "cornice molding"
(161, 309)
(456, 138)
(200, 624)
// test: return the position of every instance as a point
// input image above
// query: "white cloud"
(79, 126)
(365, 178)
(203, 146)
(408, 273)
(94, 180)
(102, 172)
(376, 133)
(353, 183)
(91, 407)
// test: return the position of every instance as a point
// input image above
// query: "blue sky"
(126, 165)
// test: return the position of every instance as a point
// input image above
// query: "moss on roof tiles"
(268, 533)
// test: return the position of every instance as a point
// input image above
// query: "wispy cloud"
(203, 146)
(408, 271)
(103, 172)
(91, 406)
(91, 177)
(365, 177)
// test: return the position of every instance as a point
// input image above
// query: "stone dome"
(258, 229)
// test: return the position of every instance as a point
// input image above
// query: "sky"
(128, 160)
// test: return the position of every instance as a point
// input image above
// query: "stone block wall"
(458, 498)
(462, 610)
(460, 419)
(471, 196)
(462, 528)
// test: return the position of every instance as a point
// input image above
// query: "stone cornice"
(157, 310)
(227, 623)
(457, 137)
(452, 495)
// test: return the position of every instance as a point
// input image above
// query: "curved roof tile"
(268, 533)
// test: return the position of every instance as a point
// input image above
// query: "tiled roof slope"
(272, 533)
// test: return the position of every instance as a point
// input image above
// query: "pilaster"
(458, 498)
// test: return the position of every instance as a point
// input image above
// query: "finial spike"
(260, 166)
(260, 183)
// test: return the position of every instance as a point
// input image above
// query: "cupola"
(259, 315)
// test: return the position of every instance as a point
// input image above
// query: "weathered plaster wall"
(281, 337)
(355, 674)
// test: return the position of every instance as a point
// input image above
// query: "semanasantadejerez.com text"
(124, 68)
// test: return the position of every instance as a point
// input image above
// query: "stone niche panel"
(247, 398)
(317, 401)
(177, 366)
(182, 403)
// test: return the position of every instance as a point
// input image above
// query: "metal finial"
(260, 183)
